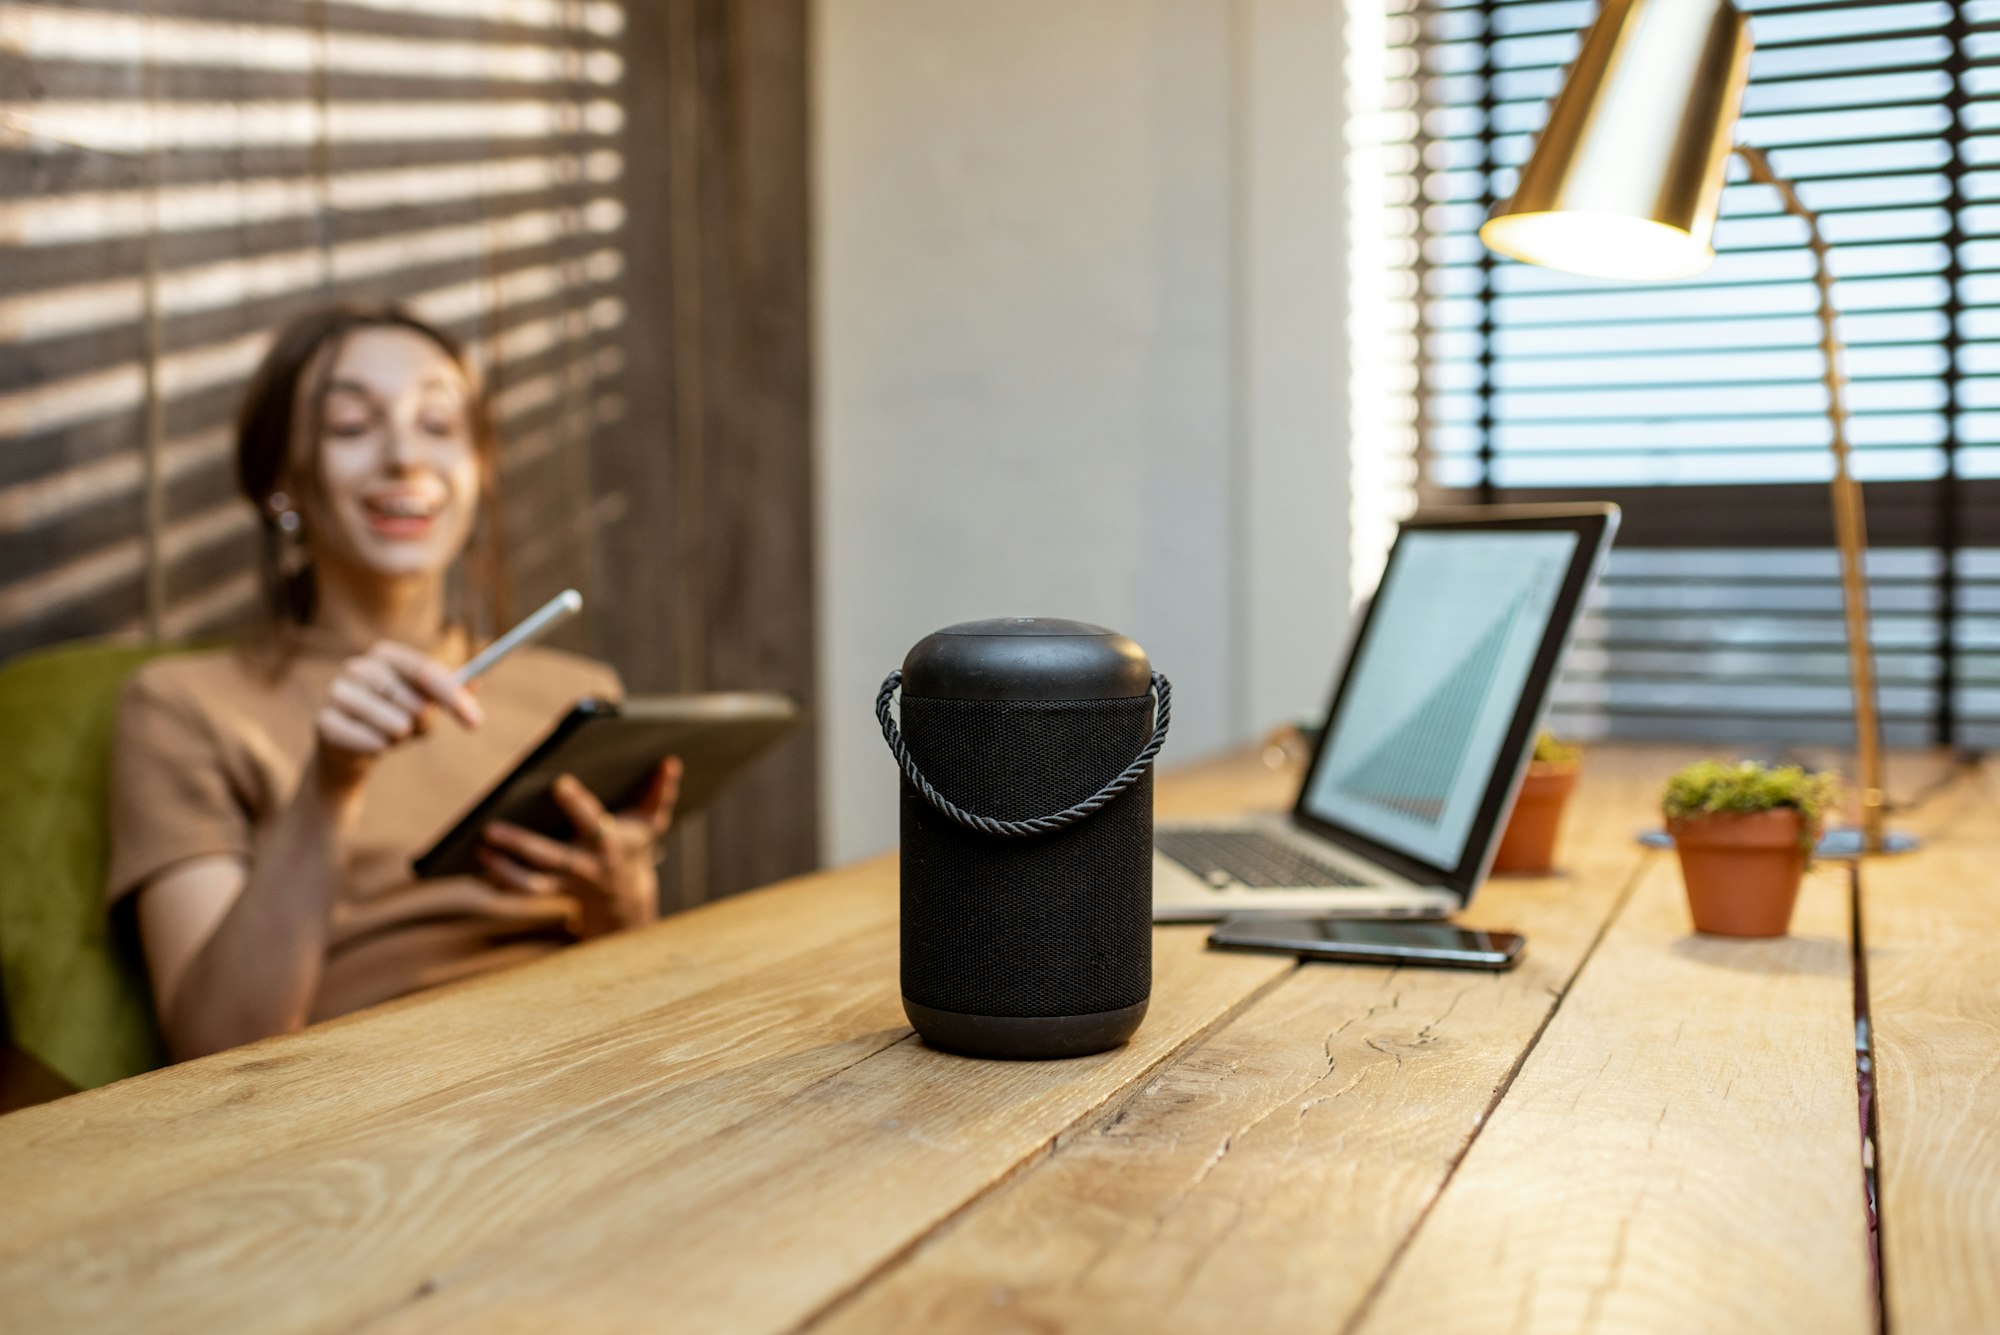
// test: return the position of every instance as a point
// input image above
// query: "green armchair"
(75, 995)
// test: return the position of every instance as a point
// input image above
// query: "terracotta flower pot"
(1529, 844)
(1742, 870)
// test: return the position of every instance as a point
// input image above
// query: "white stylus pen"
(537, 624)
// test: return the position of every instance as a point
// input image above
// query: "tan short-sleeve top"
(210, 748)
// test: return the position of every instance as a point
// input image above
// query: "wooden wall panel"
(734, 389)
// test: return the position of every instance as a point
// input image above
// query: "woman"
(267, 800)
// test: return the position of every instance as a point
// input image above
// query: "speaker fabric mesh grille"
(1051, 925)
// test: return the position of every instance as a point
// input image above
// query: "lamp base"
(1842, 845)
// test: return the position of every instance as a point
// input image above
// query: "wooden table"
(723, 1123)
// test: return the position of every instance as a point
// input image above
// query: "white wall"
(1077, 327)
(1293, 589)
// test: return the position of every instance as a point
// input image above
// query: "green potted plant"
(1529, 842)
(1745, 835)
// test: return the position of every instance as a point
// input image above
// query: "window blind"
(1698, 405)
(180, 177)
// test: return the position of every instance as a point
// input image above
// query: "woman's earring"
(288, 518)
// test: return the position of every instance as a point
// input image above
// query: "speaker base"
(1024, 1038)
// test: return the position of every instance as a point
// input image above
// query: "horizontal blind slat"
(463, 156)
(1528, 384)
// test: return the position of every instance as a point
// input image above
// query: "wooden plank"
(1680, 1151)
(1264, 1181)
(357, 1218)
(637, 564)
(761, 1226)
(1931, 928)
(723, 1122)
(713, 572)
(109, 1150)
(642, 1165)
(75, 1161)
(753, 352)
(698, 1020)
(1236, 782)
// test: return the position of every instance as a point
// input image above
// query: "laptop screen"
(1435, 685)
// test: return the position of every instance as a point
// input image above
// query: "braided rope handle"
(1020, 829)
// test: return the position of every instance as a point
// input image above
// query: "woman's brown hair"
(270, 422)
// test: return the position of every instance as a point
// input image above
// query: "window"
(179, 179)
(1698, 405)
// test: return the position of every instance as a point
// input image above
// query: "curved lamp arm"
(1849, 523)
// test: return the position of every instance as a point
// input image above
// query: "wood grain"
(373, 1210)
(1264, 1181)
(76, 1160)
(723, 1123)
(1931, 927)
(1680, 1151)
(389, 1147)
(732, 151)
(1238, 781)
(108, 1150)
(763, 1225)
(742, 1155)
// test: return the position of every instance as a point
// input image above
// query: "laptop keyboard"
(1248, 857)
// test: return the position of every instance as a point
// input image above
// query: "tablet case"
(613, 749)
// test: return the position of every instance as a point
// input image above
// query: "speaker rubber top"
(1026, 658)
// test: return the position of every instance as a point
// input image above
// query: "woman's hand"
(379, 700)
(608, 869)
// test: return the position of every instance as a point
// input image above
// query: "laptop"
(1432, 723)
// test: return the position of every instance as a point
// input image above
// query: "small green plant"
(1711, 787)
(1550, 751)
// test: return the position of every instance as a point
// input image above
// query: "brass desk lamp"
(1624, 182)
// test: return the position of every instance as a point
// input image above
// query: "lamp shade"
(1626, 177)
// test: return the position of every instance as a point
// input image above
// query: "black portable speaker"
(1026, 751)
